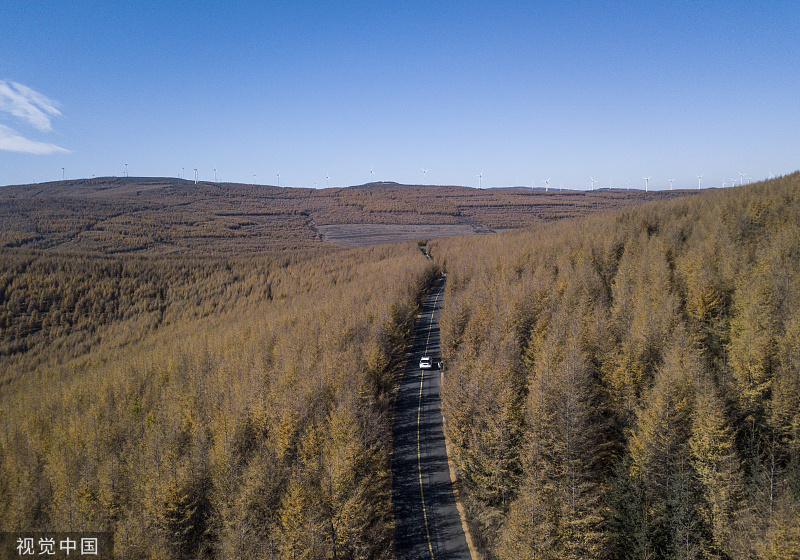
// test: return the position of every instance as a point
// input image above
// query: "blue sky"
(521, 91)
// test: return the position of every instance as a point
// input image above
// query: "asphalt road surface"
(427, 525)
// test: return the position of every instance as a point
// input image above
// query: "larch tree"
(717, 467)
(559, 511)
(659, 454)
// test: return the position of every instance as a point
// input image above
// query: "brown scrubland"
(627, 385)
(197, 370)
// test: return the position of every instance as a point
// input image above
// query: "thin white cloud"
(27, 104)
(33, 108)
(11, 141)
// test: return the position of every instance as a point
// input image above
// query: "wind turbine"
(646, 183)
(592, 180)
(724, 184)
(254, 179)
(424, 172)
(699, 180)
(279, 179)
(670, 183)
(126, 169)
(771, 176)
(371, 173)
(629, 185)
(741, 179)
(609, 184)
(546, 184)
(327, 180)
(182, 170)
(63, 174)
(195, 175)
(215, 174)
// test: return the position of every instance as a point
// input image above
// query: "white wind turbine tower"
(699, 180)
(724, 184)
(327, 180)
(215, 174)
(670, 183)
(195, 175)
(771, 176)
(629, 185)
(646, 183)
(741, 179)
(279, 178)
(126, 169)
(424, 172)
(480, 179)
(592, 181)
(371, 173)
(547, 184)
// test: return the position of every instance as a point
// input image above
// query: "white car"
(425, 363)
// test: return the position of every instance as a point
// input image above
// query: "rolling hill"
(170, 216)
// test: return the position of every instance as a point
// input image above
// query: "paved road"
(426, 517)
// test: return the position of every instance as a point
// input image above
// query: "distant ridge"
(108, 182)
(378, 184)
(516, 188)
(168, 215)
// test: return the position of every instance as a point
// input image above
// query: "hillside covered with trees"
(165, 216)
(627, 385)
(206, 408)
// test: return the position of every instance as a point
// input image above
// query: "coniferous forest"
(226, 409)
(627, 385)
(198, 372)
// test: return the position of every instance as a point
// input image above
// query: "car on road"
(425, 363)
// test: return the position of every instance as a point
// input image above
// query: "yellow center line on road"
(419, 415)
